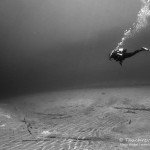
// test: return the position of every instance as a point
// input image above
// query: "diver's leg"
(126, 55)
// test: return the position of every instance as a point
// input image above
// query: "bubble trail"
(140, 23)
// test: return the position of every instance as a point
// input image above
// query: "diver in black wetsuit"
(121, 54)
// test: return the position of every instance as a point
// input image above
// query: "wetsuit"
(123, 54)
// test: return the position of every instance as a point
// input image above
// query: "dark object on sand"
(28, 125)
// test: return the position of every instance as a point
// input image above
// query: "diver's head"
(120, 49)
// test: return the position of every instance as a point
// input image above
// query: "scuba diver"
(121, 54)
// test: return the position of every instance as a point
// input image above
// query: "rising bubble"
(140, 23)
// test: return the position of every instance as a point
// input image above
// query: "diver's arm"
(110, 57)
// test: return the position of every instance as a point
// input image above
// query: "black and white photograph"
(74, 74)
